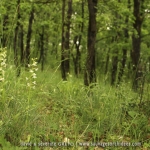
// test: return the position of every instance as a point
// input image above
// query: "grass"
(67, 111)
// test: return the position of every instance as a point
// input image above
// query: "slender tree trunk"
(107, 62)
(63, 70)
(22, 57)
(65, 48)
(42, 50)
(77, 42)
(67, 38)
(29, 33)
(55, 41)
(149, 64)
(90, 69)
(124, 56)
(136, 40)
(76, 59)
(114, 67)
(16, 60)
(55, 49)
(4, 32)
(115, 59)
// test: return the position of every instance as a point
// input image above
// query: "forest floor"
(40, 111)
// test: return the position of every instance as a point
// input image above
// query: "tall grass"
(52, 110)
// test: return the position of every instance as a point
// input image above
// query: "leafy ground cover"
(40, 111)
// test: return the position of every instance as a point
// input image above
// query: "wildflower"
(31, 71)
(1, 79)
(36, 69)
(34, 64)
(33, 76)
(34, 82)
(2, 63)
(31, 79)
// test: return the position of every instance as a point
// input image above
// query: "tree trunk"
(22, 57)
(42, 49)
(115, 59)
(124, 51)
(16, 60)
(4, 32)
(76, 59)
(67, 38)
(65, 48)
(136, 40)
(107, 61)
(63, 70)
(27, 52)
(114, 67)
(77, 42)
(90, 69)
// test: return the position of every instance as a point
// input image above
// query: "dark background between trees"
(89, 39)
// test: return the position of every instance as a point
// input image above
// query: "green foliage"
(7, 145)
(56, 109)
(51, 109)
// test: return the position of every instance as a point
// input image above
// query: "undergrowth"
(39, 107)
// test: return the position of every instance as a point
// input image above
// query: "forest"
(75, 74)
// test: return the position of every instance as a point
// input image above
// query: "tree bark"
(136, 40)
(27, 52)
(16, 60)
(63, 70)
(22, 53)
(4, 32)
(114, 66)
(90, 69)
(107, 61)
(77, 42)
(65, 48)
(42, 58)
(124, 52)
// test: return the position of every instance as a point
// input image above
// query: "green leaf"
(133, 113)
